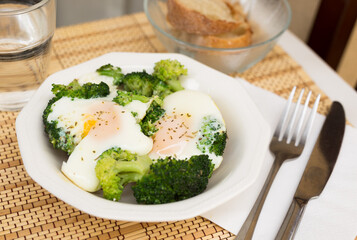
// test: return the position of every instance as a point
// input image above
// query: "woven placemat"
(28, 211)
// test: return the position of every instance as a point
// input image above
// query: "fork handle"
(292, 219)
(247, 229)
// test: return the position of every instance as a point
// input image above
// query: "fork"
(287, 143)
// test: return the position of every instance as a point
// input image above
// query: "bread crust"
(242, 40)
(191, 21)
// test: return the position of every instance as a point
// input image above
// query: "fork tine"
(302, 119)
(292, 120)
(310, 121)
(283, 120)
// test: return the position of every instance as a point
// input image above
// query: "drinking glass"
(26, 30)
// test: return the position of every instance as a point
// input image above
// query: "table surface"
(322, 74)
(27, 211)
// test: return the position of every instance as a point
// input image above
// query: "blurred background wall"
(78, 11)
(307, 19)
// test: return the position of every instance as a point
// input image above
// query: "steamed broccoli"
(140, 83)
(212, 138)
(115, 72)
(145, 84)
(219, 144)
(166, 180)
(171, 180)
(116, 168)
(163, 81)
(169, 72)
(59, 138)
(153, 114)
(161, 89)
(123, 98)
(75, 90)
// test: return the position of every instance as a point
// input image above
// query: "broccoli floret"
(161, 89)
(171, 180)
(169, 72)
(212, 138)
(75, 90)
(59, 138)
(219, 143)
(153, 114)
(140, 83)
(114, 72)
(123, 98)
(116, 168)
(135, 114)
(163, 81)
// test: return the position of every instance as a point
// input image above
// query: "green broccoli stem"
(153, 114)
(174, 85)
(141, 98)
(111, 71)
(123, 98)
(116, 168)
(139, 166)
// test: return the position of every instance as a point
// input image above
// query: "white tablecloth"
(332, 216)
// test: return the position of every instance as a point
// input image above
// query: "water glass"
(26, 30)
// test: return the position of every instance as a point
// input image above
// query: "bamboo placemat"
(28, 211)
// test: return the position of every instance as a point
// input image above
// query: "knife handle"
(292, 220)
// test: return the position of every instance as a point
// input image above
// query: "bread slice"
(240, 37)
(203, 17)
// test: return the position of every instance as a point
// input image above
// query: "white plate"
(247, 131)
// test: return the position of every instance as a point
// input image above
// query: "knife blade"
(317, 170)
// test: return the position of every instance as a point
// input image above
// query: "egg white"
(189, 107)
(135, 106)
(139, 108)
(114, 126)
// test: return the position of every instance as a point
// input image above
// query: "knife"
(317, 170)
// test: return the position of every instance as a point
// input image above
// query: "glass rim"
(227, 50)
(25, 10)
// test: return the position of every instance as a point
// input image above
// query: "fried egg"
(137, 107)
(181, 129)
(97, 125)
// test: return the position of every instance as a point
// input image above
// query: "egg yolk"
(87, 126)
(173, 134)
(103, 121)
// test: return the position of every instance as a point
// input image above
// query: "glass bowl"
(269, 19)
